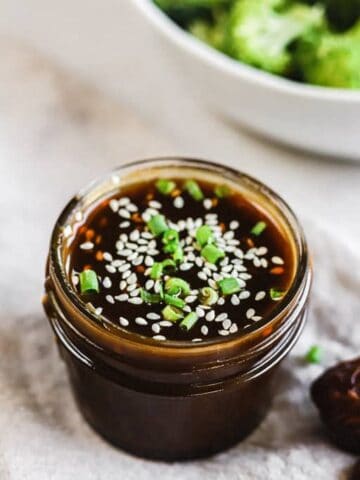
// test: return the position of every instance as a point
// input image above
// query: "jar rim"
(301, 279)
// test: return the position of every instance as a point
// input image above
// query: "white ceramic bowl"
(323, 120)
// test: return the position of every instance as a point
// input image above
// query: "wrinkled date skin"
(336, 393)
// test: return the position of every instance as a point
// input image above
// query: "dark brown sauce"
(102, 229)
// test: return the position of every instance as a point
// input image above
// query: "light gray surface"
(107, 43)
(56, 134)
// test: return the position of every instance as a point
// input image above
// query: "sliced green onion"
(258, 228)
(211, 253)
(170, 236)
(170, 247)
(168, 264)
(189, 321)
(157, 225)
(314, 354)
(276, 295)
(174, 300)
(178, 254)
(172, 313)
(149, 297)
(156, 270)
(222, 191)
(89, 282)
(173, 284)
(194, 190)
(229, 285)
(208, 296)
(164, 186)
(204, 235)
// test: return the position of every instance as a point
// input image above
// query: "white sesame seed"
(124, 322)
(207, 271)
(152, 252)
(165, 323)
(155, 328)
(138, 260)
(196, 340)
(131, 288)
(147, 235)
(140, 321)
(202, 276)
(207, 203)
(155, 204)
(122, 284)
(226, 324)
(131, 207)
(157, 286)
(233, 328)
(244, 295)
(221, 317)
(98, 311)
(235, 300)
(256, 318)
(87, 246)
(234, 225)
(135, 292)
(110, 299)
(159, 337)
(114, 205)
(187, 309)
(223, 332)
(107, 282)
(221, 301)
(122, 297)
(126, 274)
(204, 330)
(210, 316)
(229, 235)
(124, 213)
(132, 279)
(124, 201)
(277, 260)
(149, 284)
(136, 300)
(212, 283)
(200, 312)
(179, 202)
(260, 296)
(153, 316)
(125, 253)
(107, 256)
(134, 235)
(190, 299)
(261, 251)
(264, 263)
(186, 266)
(257, 262)
(250, 313)
(125, 224)
(110, 268)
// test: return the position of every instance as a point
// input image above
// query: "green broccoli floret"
(260, 32)
(211, 31)
(330, 59)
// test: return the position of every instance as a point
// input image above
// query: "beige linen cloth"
(55, 135)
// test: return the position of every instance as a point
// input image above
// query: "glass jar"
(172, 400)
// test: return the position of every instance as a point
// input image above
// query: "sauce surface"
(241, 245)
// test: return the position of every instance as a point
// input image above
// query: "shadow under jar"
(173, 399)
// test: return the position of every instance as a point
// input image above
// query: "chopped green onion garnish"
(164, 186)
(89, 282)
(208, 296)
(173, 300)
(314, 354)
(148, 297)
(194, 190)
(168, 264)
(178, 254)
(212, 254)
(172, 313)
(276, 295)
(173, 284)
(156, 270)
(170, 247)
(258, 228)
(228, 286)
(222, 191)
(189, 321)
(204, 235)
(170, 236)
(157, 225)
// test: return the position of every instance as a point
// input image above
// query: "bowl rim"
(193, 46)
